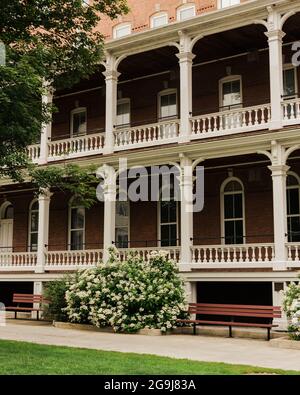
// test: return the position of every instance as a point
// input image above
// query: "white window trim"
(128, 226)
(222, 208)
(122, 101)
(77, 111)
(288, 187)
(184, 7)
(71, 206)
(166, 223)
(120, 26)
(222, 8)
(29, 223)
(157, 16)
(166, 92)
(230, 78)
(289, 66)
(3, 208)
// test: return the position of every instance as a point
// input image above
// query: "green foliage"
(45, 40)
(78, 181)
(291, 306)
(128, 295)
(55, 292)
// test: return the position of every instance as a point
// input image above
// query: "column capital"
(111, 75)
(45, 194)
(185, 56)
(279, 170)
(275, 35)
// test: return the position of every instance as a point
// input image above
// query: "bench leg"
(37, 315)
(269, 334)
(194, 330)
(230, 331)
(15, 314)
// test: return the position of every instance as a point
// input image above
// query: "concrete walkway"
(200, 348)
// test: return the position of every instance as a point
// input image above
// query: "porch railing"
(291, 111)
(293, 254)
(231, 121)
(63, 260)
(241, 254)
(163, 132)
(145, 253)
(18, 260)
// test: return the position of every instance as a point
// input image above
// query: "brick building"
(185, 83)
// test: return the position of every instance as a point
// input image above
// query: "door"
(6, 235)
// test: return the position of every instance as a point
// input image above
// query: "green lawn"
(28, 358)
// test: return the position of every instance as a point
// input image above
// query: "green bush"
(55, 292)
(129, 295)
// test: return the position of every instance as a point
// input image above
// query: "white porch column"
(186, 87)
(43, 234)
(111, 79)
(278, 288)
(37, 290)
(109, 210)
(47, 99)
(275, 36)
(279, 174)
(186, 207)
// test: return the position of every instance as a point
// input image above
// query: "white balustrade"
(145, 253)
(293, 253)
(231, 121)
(18, 260)
(64, 260)
(238, 255)
(33, 152)
(88, 144)
(291, 111)
(146, 135)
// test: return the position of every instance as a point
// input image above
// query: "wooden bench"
(26, 299)
(233, 312)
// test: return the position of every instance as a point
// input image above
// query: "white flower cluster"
(128, 296)
(292, 309)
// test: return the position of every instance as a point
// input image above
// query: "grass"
(29, 358)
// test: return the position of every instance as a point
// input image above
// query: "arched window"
(7, 211)
(168, 216)
(122, 30)
(33, 225)
(6, 227)
(76, 226)
(186, 11)
(293, 207)
(159, 19)
(233, 221)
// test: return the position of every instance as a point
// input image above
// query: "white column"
(37, 290)
(109, 210)
(43, 234)
(47, 99)
(275, 36)
(111, 80)
(279, 174)
(186, 87)
(186, 218)
(278, 290)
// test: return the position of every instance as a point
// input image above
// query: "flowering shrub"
(291, 306)
(128, 295)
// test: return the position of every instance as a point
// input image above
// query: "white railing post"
(275, 36)
(43, 227)
(111, 80)
(279, 174)
(186, 207)
(47, 99)
(108, 174)
(185, 57)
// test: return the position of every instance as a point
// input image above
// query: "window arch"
(168, 216)
(7, 211)
(159, 19)
(233, 211)
(186, 11)
(122, 30)
(76, 226)
(293, 206)
(33, 223)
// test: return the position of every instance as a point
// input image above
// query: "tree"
(45, 40)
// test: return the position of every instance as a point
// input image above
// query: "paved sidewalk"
(201, 348)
